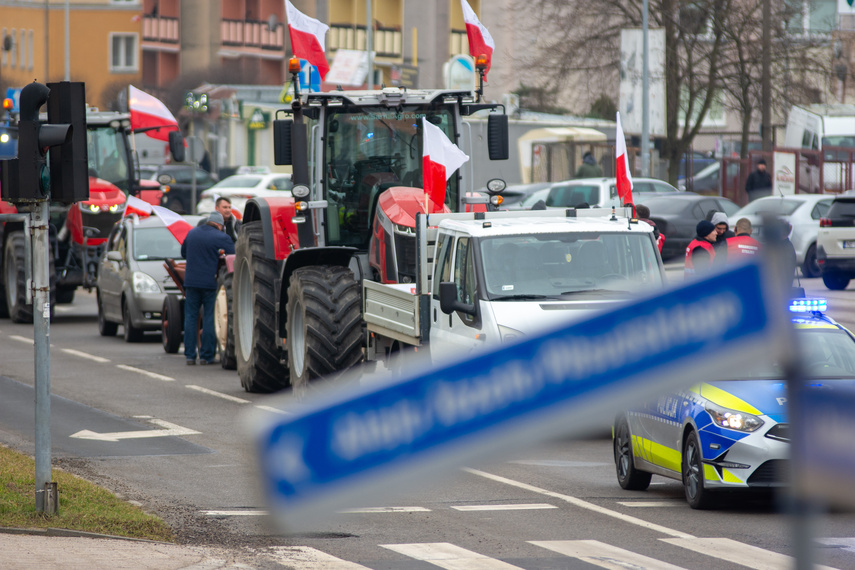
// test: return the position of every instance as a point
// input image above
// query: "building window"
(13, 53)
(22, 41)
(4, 56)
(30, 51)
(123, 53)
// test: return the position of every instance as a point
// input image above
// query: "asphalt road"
(555, 505)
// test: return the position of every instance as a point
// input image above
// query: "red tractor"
(77, 232)
(300, 261)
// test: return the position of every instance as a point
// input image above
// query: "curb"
(62, 532)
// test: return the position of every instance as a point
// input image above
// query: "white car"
(241, 187)
(601, 192)
(802, 211)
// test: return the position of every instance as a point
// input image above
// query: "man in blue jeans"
(201, 250)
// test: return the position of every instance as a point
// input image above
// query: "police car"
(730, 434)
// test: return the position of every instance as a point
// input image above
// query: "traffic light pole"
(40, 239)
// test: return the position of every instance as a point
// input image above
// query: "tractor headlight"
(731, 419)
(143, 283)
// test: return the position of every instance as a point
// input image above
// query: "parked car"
(132, 281)
(514, 195)
(677, 217)
(835, 250)
(600, 192)
(241, 187)
(176, 181)
(532, 199)
(802, 211)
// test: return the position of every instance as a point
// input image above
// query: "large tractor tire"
(65, 295)
(224, 320)
(259, 359)
(324, 323)
(172, 324)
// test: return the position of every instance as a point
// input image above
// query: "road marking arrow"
(169, 431)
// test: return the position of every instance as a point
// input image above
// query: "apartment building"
(104, 44)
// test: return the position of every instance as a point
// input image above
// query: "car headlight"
(731, 419)
(509, 334)
(143, 283)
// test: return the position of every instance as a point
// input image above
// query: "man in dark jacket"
(759, 183)
(589, 167)
(201, 250)
(723, 233)
(230, 224)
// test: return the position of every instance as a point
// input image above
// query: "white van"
(813, 127)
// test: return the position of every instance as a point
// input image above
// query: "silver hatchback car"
(132, 280)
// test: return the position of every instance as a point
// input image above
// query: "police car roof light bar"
(809, 305)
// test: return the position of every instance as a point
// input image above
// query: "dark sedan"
(677, 216)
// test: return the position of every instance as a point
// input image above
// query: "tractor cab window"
(367, 151)
(108, 156)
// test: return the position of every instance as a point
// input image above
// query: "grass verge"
(83, 506)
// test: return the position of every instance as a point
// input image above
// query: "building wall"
(90, 27)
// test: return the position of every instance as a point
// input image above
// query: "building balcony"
(387, 41)
(252, 34)
(160, 30)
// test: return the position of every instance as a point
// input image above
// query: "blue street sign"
(310, 78)
(562, 381)
(15, 96)
(826, 430)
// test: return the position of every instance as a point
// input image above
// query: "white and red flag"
(622, 172)
(440, 158)
(480, 40)
(148, 111)
(307, 38)
(177, 226)
(136, 206)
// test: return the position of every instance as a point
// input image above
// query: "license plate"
(849, 243)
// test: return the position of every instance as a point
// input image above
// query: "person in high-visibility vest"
(742, 246)
(700, 253)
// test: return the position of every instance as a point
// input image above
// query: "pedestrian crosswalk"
(595, 553)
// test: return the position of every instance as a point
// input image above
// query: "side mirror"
(282, 141)
(114, 256)
(497, 137)
(448, 302)
(176, 145)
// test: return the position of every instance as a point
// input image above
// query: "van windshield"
(561, 265)
(572, 195)
(841, 140)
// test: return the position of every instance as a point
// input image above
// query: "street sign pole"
(40, 239)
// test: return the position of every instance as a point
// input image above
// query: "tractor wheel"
(224, 321)
(14, 273)
(259, 359)
(324, 323)
(172, 324)
(4, 310)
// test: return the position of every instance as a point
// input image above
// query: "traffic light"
(69, 180)
(27, 178)
(196, 101)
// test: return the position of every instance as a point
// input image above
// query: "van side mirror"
(448, 302)
(176, 145)
(282, 141)
(497, 137)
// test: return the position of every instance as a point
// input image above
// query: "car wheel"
(697, 495)
(628, 476)
(132, 333)
(835, 281)
(176, 206)
(172, 324)
(810, 268)
(105, 327)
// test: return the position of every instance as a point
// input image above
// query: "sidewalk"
(38, 550)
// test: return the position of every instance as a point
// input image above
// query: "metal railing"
(252, 34)
(387, 41)
(161, 29)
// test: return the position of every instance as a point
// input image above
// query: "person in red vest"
(700, 253)
(742, 246)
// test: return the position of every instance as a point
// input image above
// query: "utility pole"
(766, 78)
(645, 95)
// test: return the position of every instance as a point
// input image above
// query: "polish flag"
(177, 226)
(622, 172)
(307, 38)
(148, 111)
(136, 206)
(440, 158)
(480, 40)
